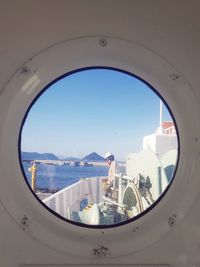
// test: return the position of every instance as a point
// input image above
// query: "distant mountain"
(93, 157)
(38, 156)
(50, 156)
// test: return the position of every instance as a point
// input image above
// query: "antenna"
(161, 114)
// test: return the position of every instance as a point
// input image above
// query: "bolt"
(25, 70)
(174, 76)
(135, 229)
(103, 42)
(25, 222)
(172, 220)
(101, 251)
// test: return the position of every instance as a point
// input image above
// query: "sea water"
(55, 177)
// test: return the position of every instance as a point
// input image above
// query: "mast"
(161, 115)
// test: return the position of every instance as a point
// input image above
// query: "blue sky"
(93, 110)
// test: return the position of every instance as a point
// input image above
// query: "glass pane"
(99, 147)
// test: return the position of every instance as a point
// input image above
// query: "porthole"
(99, 147)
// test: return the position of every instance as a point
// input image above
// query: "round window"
(99, 147)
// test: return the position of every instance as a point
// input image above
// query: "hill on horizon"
(93, 157)
(38, 156)
(50, 156)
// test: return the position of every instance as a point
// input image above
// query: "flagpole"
(161, 114)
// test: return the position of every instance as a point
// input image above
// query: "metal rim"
(25, 86)
(48, 87)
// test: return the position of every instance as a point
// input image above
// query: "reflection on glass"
(99, 147)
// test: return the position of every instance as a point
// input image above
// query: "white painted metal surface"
(160, 143)
(147, 163)
(69, 198)
(157, 40)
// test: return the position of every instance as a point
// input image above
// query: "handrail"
(170, 130)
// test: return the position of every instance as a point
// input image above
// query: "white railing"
(69, 198)
(170, 130)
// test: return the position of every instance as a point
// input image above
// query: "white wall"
(160, 143)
